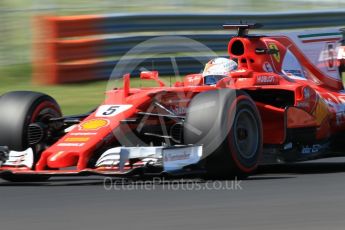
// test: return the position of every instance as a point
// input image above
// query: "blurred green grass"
(73, 98)
(17, 27)
(17, 33)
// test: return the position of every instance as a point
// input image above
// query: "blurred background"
(17, 32)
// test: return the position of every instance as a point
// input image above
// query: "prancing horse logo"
(276, 55)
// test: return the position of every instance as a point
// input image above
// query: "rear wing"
(324, 48)
(321, 47)
(242, 29)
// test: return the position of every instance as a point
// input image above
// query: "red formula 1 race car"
(276, 99)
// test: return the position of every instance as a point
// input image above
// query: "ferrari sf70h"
(281, 101)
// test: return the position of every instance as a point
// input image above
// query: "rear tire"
(228, 125)
(17, 110)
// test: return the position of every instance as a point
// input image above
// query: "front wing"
(117, 162)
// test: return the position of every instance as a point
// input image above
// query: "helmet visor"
(212, 79)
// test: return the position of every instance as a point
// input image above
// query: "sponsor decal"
(266, 80)
(267, 67)
(276, 55)
(310, 149)
(83, 134)
(93, 124)
(71, 144)
(111, 110)
(176, 156)
(77, 139)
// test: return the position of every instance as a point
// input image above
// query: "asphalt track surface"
(300, 196)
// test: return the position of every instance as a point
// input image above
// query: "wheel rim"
(43, 113)
(246, 133)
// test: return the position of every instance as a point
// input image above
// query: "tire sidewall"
(17, 110)
(220, 155)
(206, 114)
(241, 163)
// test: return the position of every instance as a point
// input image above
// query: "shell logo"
(94, 124)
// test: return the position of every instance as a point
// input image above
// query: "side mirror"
(149, 75)
(193, 80)
(152, 75)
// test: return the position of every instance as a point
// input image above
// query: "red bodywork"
(315, 102)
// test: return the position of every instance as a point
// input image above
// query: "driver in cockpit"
(216, 69)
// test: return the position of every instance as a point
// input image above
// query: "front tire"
(18, 110)
(228, 125)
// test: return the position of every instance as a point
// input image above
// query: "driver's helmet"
(217, 69)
